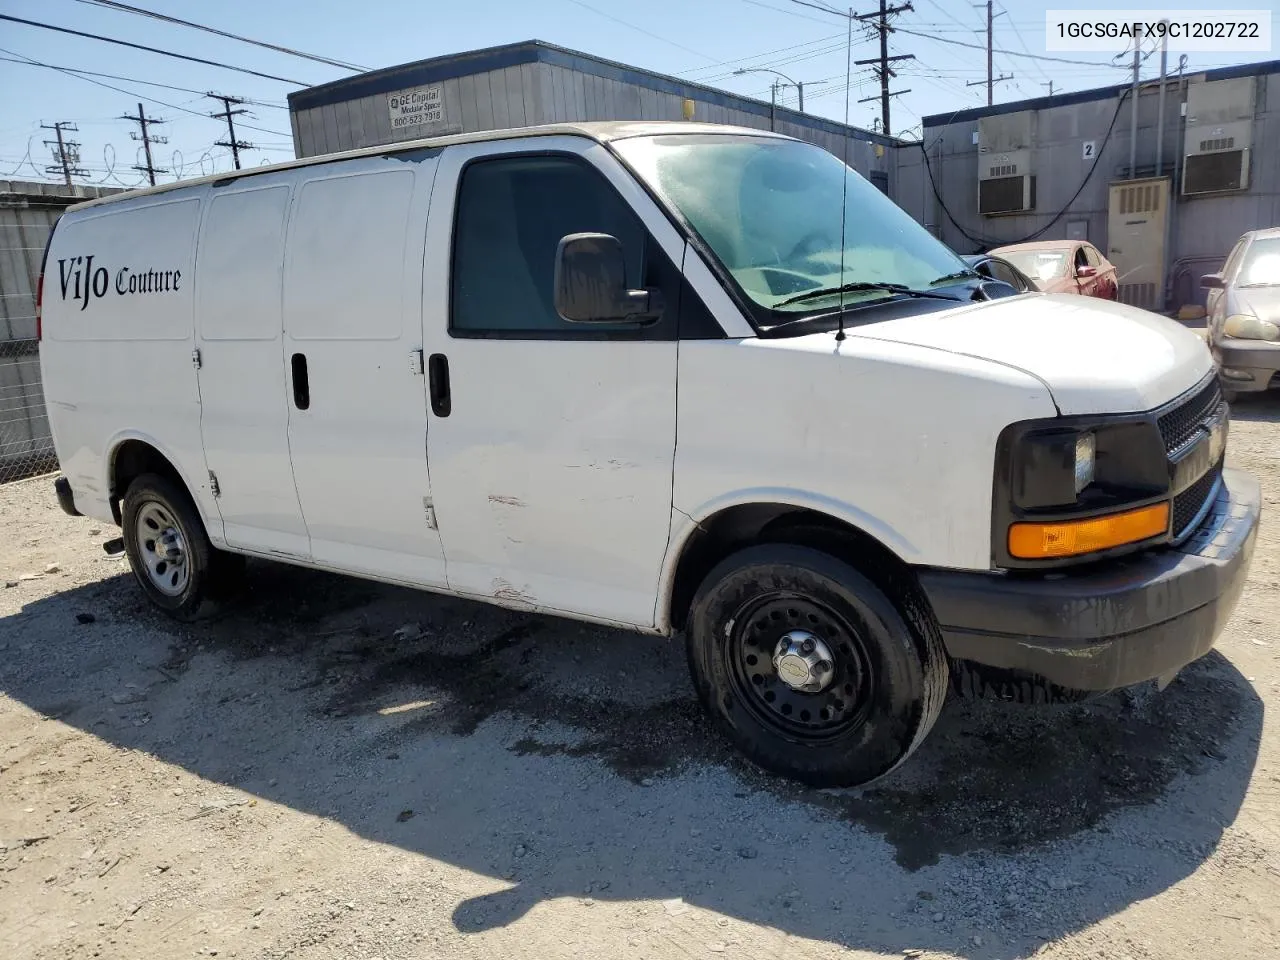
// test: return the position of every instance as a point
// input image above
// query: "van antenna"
(844, 188)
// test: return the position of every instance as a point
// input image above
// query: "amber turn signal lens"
(1070, 538)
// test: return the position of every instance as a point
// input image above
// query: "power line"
(138, 46)
(111, 76)
(1007, 53)
(632, 26)
(134, 93)
(126, 8)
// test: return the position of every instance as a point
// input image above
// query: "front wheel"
(809, 669)
(175, 564)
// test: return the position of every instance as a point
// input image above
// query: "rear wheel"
(175, 564)
(809, 669)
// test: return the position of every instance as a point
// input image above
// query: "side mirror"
(1212, 281)
(1085, 272)
(591, 282)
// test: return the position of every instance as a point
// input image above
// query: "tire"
(179, 570)
(873, 705)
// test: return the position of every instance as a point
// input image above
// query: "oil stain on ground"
(991, 777)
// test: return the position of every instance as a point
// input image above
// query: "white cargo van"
(651, 375)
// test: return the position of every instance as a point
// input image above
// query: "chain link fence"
(26, 445)
(28, 211)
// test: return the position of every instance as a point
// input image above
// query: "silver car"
(1243, 308)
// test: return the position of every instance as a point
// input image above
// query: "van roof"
(600, 131)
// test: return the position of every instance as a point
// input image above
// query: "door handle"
(438, 384)
(301, 384)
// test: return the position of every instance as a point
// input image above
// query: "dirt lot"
(347, 770)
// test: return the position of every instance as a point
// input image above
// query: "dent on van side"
(681, 378)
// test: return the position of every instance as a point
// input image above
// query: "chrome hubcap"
(803, 662)
(161, 549)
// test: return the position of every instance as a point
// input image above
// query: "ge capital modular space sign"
(416, 107)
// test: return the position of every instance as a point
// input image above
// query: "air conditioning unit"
(1219, 136)
(1006, 182)
(1009, 194)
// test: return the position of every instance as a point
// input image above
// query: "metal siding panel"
(559, 112)
(379, 119)
(342, 126)
(451, 95)
(330, 116)
(611, 99)
(529, 92)
(467, 103)
(306, 138)
(357, 111)
(544, 94)
(297, 135)
(484, 102)
(498, 100)
(579, 96)
(514, 82)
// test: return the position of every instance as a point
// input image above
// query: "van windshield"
(770, 210)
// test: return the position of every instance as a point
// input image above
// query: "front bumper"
(1116, 624)
(1246, 365)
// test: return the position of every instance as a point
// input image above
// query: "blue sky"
(703, 40)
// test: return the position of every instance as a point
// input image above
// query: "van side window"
(511, 215)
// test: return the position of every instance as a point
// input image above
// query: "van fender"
(199, 489)
(685, 523)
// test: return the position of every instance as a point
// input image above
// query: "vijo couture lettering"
(80, 280)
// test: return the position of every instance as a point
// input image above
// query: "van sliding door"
(356, 392)
(244, 420)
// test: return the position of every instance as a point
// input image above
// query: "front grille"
(1188, 503)
(1180, 425)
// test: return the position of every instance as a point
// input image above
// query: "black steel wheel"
(800, 665)
(810, 669)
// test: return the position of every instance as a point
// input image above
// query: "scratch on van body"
(505, 590)
(605, 465)
(507, 501)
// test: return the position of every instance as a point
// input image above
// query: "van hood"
(1095, 356)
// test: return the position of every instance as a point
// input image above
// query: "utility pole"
(227, 114)
(143, 121)
(1164, 70)
(1133, 131)
(1050, 86)
(992, 80)
(66, 153)
(882, 69)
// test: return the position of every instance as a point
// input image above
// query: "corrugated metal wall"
(1203, 228)
(28, 212)
(535, 93)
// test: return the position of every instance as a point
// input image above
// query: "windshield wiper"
(901, 289)
(958, 275)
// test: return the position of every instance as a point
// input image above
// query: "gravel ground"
(345, 770)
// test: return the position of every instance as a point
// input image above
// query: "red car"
(1064, 266)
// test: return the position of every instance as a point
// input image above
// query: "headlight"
(1085, 448)
(1248, 327)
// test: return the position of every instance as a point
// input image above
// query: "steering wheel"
(803, 243)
